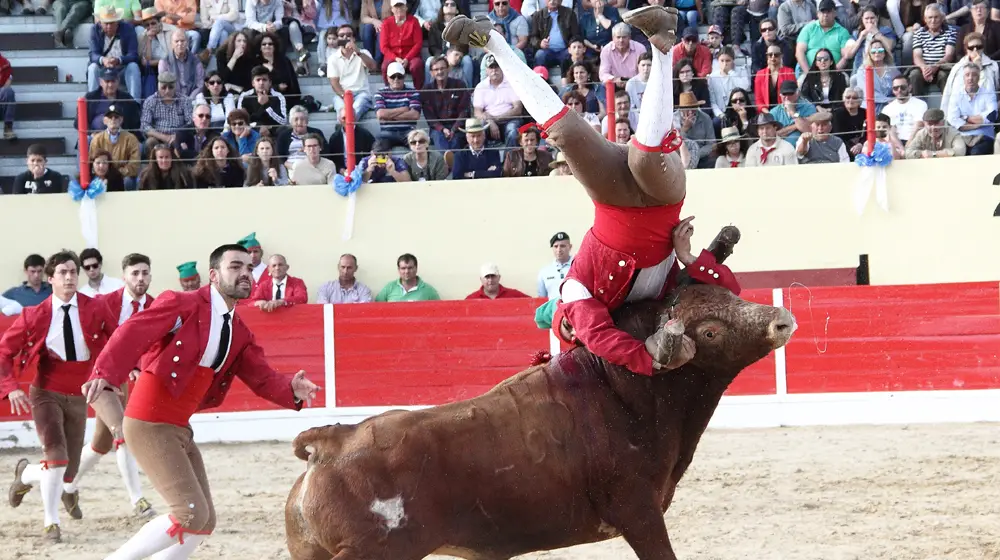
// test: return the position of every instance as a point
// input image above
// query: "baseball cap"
(487, 269)
(788, 87)
(690, 32)
(109, 74)
(715, 29)
(542, 71)
(826, 6)
(395, 68)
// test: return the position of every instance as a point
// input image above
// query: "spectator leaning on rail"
(489, 277)
(38, 179)
(936, 139)
(34, 289)
(113, 44)
(409, 287)
(346, 288)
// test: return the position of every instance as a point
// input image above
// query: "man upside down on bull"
(638, 190)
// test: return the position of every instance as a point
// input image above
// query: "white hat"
(395, 68)
(398, 2)
(487, 269)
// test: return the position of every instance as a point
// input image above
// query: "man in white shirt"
(552, 275)
(970, 111)
(770, 150)
(348, 68)
(97, 283)
(905, 111)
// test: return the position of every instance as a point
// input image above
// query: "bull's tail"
(323, 440)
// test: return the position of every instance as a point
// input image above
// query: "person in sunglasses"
(97, 282)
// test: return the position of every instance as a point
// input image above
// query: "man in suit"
(278, 289)
(123, 303)
(64, 334)
(192, 344)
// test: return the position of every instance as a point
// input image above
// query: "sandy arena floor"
(917, 492)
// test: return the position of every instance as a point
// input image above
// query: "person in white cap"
(489, 276)
(401, 39)
(397, 107)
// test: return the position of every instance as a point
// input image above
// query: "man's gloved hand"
(669, 346)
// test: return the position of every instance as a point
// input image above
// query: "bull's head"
(728, 333)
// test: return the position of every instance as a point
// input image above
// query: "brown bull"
(571, 452)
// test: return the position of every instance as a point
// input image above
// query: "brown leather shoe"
(15, 495)
(656, 22)
(464, 31)
(52, 533)
(723, 244)
(72, 504)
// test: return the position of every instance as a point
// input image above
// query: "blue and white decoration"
(348, 186)
(872, 175)
(88, 207)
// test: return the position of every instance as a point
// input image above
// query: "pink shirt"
(494, 100)
(615, 65)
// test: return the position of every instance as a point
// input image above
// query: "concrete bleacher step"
(39, 110)
(35, 75)
(68, 62)
(22, 41)
(27, 24)
(54, 146)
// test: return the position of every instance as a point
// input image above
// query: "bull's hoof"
(464, 31)
(669, 347)
(723, 244)
(656, 22)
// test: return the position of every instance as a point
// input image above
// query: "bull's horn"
(723, 244)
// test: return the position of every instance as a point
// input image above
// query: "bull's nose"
(781, 328)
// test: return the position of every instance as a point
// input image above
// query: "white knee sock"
(152, 538)
(52, 489)
(656, 116)
(32, 474)
(180, 551)
(88, 460)
(537, 96)
(130, 473)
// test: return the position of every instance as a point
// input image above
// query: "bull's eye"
(709, 334)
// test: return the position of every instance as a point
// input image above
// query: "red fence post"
(609, 104)
(81, 128)
(349, 130)
(870, 104)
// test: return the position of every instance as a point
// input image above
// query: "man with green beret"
(251, 244)
(189, 277)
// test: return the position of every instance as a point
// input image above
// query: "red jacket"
(294, 290)
(760, 86)
(24, 341)
(174, 354)
(401, 41)
(5, 70)
(702, 59)
(503, 293)
(116, 299)
(606, 274)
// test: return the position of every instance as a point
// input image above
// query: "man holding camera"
(348, 68)
(382, 167)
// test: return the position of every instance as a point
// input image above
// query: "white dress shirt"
(107, 285)
(54, 340)
(219, 308)
(275, 284)
(258, 271)
(127, 300)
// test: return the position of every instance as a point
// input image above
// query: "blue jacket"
(126, 34)
(486, 165)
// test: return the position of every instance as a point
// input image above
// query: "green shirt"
(393, 291)
(815, 38)
(129, 6)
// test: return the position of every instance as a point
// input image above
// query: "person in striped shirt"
(397, 107)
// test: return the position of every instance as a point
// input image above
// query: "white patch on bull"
(503, 469)
(607, 530)
(390, 510)
(304, 488)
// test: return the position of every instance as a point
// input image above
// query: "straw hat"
(110, 14)
(729, 134)
(473, 125)
(687, 100)
(560, 158)
(150, 13)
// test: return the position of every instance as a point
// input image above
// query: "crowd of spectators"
(773, 82)
(274, 287)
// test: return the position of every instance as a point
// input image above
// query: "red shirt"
(401, 41)
(5, 70)
(503, 293)
(702, 59)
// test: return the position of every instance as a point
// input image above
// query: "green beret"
(544, 314)
(188, 270)
(249, 241)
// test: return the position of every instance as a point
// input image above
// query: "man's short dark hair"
(38, 150)
(406, 258)
(381, 146)
(133, 259)
(260, 70)
(91, 253)
(312, 136)
(59, 258)
(347, 26)
(649, 56)
(884, 118)
(34, 260)
(215, 260)
(439, 58)
(622, 94)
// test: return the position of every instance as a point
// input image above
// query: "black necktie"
(68, 339)
(277, 294)
(220, 357)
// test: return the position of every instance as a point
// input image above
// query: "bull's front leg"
(669, 346)
(635, 513)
